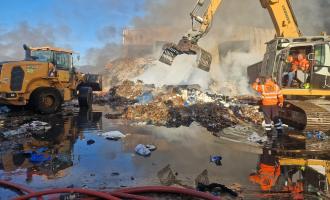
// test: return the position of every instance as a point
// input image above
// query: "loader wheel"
(85, 97)
(47, 101)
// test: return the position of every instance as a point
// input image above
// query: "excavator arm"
(283, 17)
(188, 44)
(280, 11)
(204, 22)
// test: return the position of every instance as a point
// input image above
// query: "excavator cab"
(301, 110)
(276, 63)
(315, 77)
(301, 78)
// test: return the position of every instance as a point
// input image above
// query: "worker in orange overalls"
(272, 100)
(300, 63)
(268, 171)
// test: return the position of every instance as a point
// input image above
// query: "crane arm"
(283, 17)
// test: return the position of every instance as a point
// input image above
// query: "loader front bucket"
(171, 50)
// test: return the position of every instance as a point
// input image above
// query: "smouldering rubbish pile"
(173, 106)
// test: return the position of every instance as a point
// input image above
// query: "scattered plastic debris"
(216, 160)
(36, 127)
(151, 147)
(4, 109)
(39, 158)
(41, 149)
(203, 185)
(319, 135)
(174, 106)
(113, 135)
(142, 150)
(115, 174)
(216, 189)
(90, 142)
(145, 98)
(255, 138)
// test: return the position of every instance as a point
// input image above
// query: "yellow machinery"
(321, 165)
(304, 109)
(45, 79)
(307, 115)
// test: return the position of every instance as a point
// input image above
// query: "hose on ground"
(135, 193)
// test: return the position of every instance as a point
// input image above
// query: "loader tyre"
(46, 100)
(85, 97)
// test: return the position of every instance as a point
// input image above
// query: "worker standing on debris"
(272, 100)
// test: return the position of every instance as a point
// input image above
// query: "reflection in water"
(291, 171)
(56, 144)
(268, 171)
(288, 170)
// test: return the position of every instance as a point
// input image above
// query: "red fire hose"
(127, 193)
(92, 193)
(168, 190)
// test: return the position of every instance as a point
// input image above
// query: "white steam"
(183, 71)
(232, 77)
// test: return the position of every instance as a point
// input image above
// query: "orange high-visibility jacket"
(302, 65)
(270, 92)
(294, 188)
(266, 176)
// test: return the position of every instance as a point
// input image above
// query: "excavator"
(306, 107)
(45, 79)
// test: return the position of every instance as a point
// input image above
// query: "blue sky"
(81, 24)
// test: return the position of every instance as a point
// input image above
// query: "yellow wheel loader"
(45, 79)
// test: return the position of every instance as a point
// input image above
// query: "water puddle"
(79, 156)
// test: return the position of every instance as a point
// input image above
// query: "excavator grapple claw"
(185, 46)
(169, 53)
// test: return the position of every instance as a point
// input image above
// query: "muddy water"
(109, 164)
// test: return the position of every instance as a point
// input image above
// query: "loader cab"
(62, 59)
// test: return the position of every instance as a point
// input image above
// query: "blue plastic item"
(145, 98)
(39, 158)
(41, 150)
(309, 135)
(216, 160)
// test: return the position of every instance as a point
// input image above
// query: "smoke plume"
(11, 40)
(234, 19)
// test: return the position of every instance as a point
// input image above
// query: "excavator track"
(305, 115)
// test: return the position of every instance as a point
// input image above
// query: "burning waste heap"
(175, 106)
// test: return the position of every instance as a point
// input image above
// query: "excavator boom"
(283, 17)
(281, 12)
